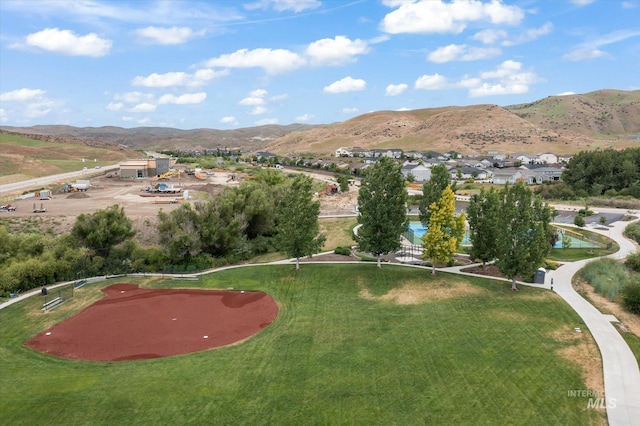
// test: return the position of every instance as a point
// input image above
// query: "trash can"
(538, 278)
(44, 291)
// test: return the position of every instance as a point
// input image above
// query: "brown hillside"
(477, 128)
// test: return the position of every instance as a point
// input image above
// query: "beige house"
(144, 168)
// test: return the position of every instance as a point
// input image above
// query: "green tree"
(382, 202)
(298, 229)
(102, 230)
(484, 219)
(445, 231)
(432, 190)
(524, 234)
(343, 181)
(179, 234)
(579, 221)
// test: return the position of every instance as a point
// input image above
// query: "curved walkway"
(620, 367)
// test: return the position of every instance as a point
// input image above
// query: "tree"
(179, 232)
(382, 203)
(298, 229)
(432, 190)
(102, 230)
(445, 231)
(524, 233)
(484, 219)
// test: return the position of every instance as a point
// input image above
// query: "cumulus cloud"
(350, 110)
(462, 52)
(566, 94)
(144, 107)
(395, 89)
(258, 110)
(27, 104)
(65, 42)
(115, 106)
(489, 36)
(335, 51)
(347, 84)
(431, 82)
(187, 98)
(273, 61)
(173, 79)
(168, 36)
(255, 98)
(229, 120)
(436, 16)
(284, 5)
(132, 97)
(506, 79)
(582, 2)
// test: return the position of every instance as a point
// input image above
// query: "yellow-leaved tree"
(445, 232)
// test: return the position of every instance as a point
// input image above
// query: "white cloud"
(462, 52)
(133, 97)
(266, 121)
(27, 104)
(507, 79)
(591, 49)
(67, 43)
(259, 110)
(489, 36)
(395, 89)
(187, 98)
(629, 5)
(584, 55)
(431, 82)
(115, 106)
(566, 94)
(303, 118)
(436, 16)
(168, 36)
(284, 5)
(171, 79)
(273, 61)
(529, 35)
(144, 107)
(335, 51)
(22, 95)
(255, 98)
(350, 110)
(229, 120)
(347, 84)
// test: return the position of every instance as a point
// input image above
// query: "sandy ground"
(63, 208)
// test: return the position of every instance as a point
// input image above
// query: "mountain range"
(560, 124)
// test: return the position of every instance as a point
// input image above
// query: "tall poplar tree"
(297, 232)
(382, 203)
(432, 190)
(484, 219)
(445, 231)
(524, 232)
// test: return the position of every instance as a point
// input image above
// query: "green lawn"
(469, 352)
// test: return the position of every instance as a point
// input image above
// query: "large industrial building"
(145, 168)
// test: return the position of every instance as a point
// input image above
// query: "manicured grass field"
(444, 350)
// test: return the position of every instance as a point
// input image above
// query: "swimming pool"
(416, 231)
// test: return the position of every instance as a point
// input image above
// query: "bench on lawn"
(51, 303)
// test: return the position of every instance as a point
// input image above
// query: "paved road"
(25, 185)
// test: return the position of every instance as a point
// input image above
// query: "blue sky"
(233, 64)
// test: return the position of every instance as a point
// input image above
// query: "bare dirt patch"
(413, 293)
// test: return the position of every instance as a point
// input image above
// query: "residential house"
(548, 158)
(419, 172)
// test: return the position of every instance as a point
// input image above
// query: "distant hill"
(162, 137)
(560, 124)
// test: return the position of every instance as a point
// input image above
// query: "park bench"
(51, 303)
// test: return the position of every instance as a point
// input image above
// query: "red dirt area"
(132, 323)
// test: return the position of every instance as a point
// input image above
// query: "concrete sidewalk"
(621, 373)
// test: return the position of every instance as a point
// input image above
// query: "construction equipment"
(80, 185)
(163, 188)
(39, 210)
(8, 208)
(170, 173)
